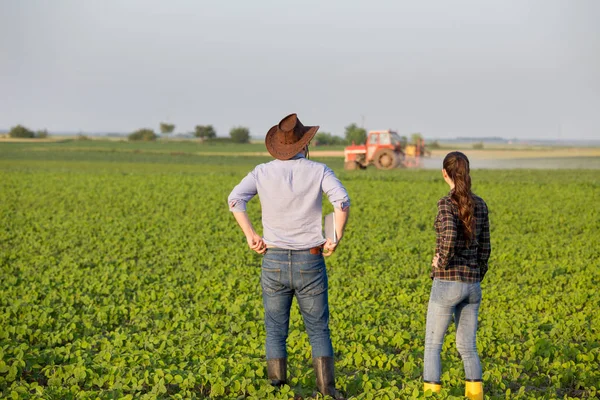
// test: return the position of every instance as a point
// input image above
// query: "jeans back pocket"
(314, 279)
(446, 292)
(270, 279)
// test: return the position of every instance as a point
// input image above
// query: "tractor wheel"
(350, 165)
(385, 159)
(361, 161)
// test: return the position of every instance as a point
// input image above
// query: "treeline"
(22, 132)
(237, 134)
(352, 134)
(241, 134)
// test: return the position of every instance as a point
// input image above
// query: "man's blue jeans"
(286, 273)
(447, 299)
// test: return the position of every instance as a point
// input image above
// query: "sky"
(527, 69)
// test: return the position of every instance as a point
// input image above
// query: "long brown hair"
(456, 165)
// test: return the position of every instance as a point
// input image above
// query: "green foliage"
(41, 134)
(327, 139)
(144, 134)
(478, 145)
(355, 135)
(434, 145)
(166, 128)
(416, 138)
(98, 302)
(205, 132)
(19, 131)
(239, 134)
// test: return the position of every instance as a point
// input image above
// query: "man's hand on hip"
(256, 243)
(329, 247)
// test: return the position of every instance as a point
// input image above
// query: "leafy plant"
(124, 276)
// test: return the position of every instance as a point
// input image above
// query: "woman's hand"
(256, 243)
(434, 262)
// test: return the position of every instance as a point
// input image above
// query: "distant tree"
(205, 132)
(144, 134)
(20, 131)
(416, 138)
(166, 129)
(478, 145)
(240, 134)
(355, 134)
(322, 139)
(42, 134)
(327, 139)
(434, 145)
(338, 140)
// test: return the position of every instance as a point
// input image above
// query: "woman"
(459, 265)
(290, 190)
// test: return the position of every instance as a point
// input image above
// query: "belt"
(314, 250)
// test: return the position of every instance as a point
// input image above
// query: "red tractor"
(383, 148)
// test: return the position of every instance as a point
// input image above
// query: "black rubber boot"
(326, 377)
(277, 371)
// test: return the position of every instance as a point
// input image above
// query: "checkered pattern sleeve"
(446, 227)
(485, 247)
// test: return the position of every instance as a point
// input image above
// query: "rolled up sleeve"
(334, 190)
(242, 193)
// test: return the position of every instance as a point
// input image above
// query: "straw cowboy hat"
(289, 137)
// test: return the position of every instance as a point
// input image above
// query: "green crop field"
(125, 276)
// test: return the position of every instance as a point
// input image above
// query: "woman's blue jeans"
(289, 273)
(448, 299)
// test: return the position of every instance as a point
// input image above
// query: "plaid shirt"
(456, 261)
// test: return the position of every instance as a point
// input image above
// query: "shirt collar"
(298, 156)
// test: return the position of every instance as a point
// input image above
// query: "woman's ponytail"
(456, 165)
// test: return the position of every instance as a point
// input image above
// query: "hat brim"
(282, 151)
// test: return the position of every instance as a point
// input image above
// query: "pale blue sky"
(511, 68)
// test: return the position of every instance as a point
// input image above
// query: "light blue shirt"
(290, 194)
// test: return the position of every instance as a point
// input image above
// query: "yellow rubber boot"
(434, 387)
(474, 390)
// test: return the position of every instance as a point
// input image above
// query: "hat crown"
(288, 123)
(292, 129)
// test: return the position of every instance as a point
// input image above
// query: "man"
(290, 190)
